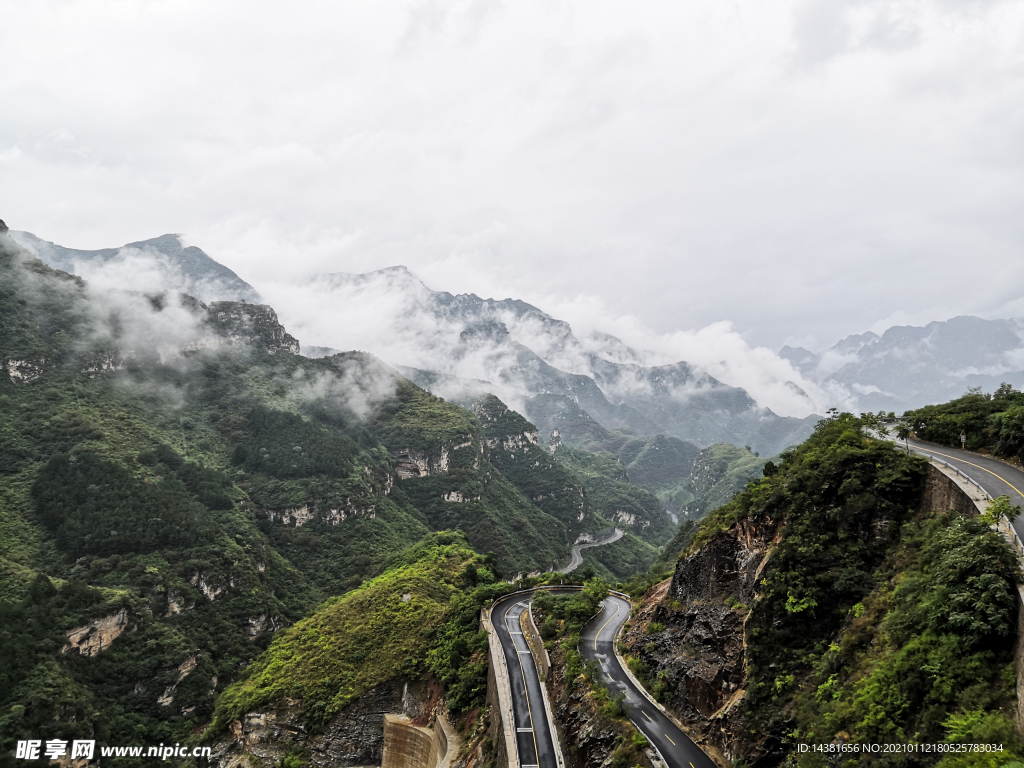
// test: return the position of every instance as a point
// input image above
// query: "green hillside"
(719, 472)
(512, 447)
(410, 620)
(614, 498)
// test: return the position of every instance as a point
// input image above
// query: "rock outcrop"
(96, 636)
(25, 370)
(354, 738)
(411, 462)
(688, 635)
(251, 325)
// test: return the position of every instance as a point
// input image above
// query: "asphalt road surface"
(994, 476)
(597, 643)
(533, 736)
(577, 557)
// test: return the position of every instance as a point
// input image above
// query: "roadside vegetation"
(991, 422)
(560, 619)
(872, 622)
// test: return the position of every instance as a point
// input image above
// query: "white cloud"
(792, 168)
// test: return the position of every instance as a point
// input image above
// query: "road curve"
(996, 477)
(533, 735)
(577, 557)
(597, 643)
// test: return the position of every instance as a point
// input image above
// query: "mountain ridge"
(187, 269)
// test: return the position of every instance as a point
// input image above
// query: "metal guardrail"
(964, 475)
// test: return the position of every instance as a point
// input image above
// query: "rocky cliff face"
(688, 636)
(590, 738)
(251, 325)
(413, 462)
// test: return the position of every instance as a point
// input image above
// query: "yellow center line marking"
(965, 461)
(646, 715)
(670, 740)
(691, 765)
(605, 625)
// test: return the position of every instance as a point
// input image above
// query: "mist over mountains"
(909, 367)
(461, 346)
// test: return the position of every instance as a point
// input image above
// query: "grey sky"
(803, 170)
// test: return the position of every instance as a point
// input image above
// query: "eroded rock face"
(212, 591)
(96, 636)
(410, 462)
(25, 370)
(697, 646)
(332, 516)
(265, 622)
(354, 738)
(458, 497)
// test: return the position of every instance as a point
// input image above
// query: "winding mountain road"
(597, 643)
(534, 739)
(577, 556)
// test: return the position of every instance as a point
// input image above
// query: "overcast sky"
(802, 169)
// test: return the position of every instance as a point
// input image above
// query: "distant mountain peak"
(398, 277)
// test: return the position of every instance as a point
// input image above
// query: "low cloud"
(394, 316)
(357, 387)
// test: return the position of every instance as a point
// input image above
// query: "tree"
(903, 432)
(1004, 392)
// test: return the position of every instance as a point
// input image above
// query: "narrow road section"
(577, 557)
(597, 643)
(533, 735)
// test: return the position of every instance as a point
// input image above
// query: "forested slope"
(177, 485)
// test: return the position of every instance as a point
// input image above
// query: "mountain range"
(458, 346)
(909, 367)
(207, 536)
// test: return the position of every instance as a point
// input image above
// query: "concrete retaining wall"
(945, 490)
(540, 654)
(412, 746)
